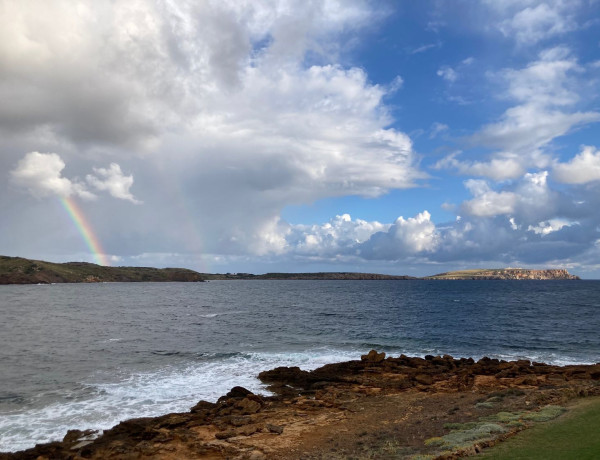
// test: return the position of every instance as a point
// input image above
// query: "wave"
(100, 405)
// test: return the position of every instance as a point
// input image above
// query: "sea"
(88, 356)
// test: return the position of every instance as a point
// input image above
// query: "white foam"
(150, 394)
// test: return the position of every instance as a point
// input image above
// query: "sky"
(395, 137)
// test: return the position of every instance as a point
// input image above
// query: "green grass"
(575, 435)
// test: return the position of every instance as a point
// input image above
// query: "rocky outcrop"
(412, 397)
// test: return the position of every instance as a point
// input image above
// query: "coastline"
(18, 270)
(346, 409)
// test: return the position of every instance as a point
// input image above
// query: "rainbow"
(85, 230)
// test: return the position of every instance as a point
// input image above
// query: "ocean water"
(90, 355)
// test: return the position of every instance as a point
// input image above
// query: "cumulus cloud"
(405, 237)
(529, 200)
(532, 21)
(341, 234)
(581, 169)
(112, 180)
(487, 202)
(41, 175)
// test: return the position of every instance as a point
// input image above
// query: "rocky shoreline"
(376, 407)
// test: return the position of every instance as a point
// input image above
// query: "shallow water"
(90, 355)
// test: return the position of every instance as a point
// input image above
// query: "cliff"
(505, 274)
(16, 270)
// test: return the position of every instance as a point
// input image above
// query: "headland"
(17, 270)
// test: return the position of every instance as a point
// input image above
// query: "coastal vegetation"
(17, 270)
(574, 435)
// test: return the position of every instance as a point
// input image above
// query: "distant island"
(18, 270)
(505, 274)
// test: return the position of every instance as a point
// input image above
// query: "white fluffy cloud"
(112, 180)
(531, 21)
(581, 169)
(487, 202)
(529, 200)
(414, 236)
(41, 175)
(340, 235)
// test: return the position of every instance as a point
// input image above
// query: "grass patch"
(460, 426)
(544, 414)
(485, 405)
(461, 437)
(504, 417)
(573, 436)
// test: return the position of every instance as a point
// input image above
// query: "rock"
(238, 392)
(225, 434)
(373, 357)
(203, 405)
(423, 379)
(247, 430)
(278, 429)
(248, 406)
(239, 420)
(286, 375)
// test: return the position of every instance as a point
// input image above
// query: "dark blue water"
(88, 356)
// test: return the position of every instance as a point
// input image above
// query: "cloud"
(41, 175)
(235, 110)
(581, 169)
(528, 200)
(113, 181)
(437, 129)
(448, 74)
(423, 48)
(540, 21)
(340, 235)
(504, 167)
(488, 202)
(546, 91)
(550, 226)
(405, 237)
